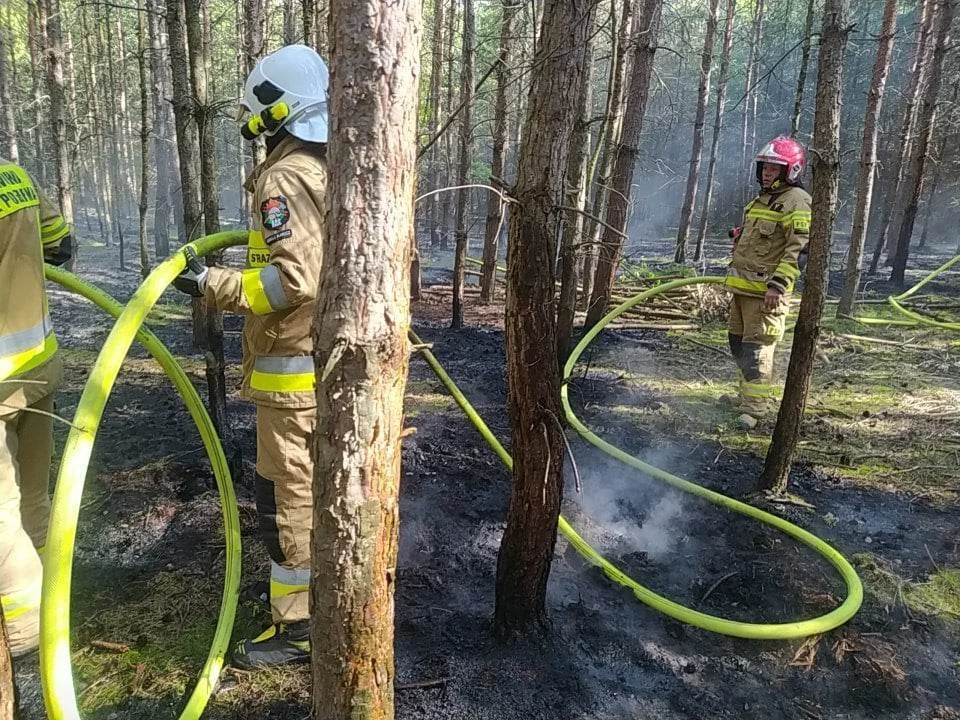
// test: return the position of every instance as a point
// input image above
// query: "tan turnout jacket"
(276, 292)
(30, 228)
(775, 231)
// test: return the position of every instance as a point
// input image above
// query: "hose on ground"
(724, 626)
(55, 657)
(913, 318)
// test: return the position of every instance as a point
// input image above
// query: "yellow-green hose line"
(756, 631)
(55, 658)
(914, 318)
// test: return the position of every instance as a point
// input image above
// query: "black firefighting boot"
(279, 645)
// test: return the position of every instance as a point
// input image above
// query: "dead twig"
(806, 655)
(573, 461)
(423, 684)
(113, 647)
(717, 584)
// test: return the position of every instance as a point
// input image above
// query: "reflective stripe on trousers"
(283, 374)
(289, 593)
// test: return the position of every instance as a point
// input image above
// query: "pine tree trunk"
(913, 183)
(703, 94)
(722, 81)
(254, 47)
(868, 158)
(804, 64)
(315, 13)
(628, 149)
(501, 139)
(89, 85)
(145, 130)
(8, 123)
(114, 141)
(437, 111)
(911, 100)
(747, 138)
(58, 107)
(463, 166)
(8, 693)
(448, 136)
(162, 133)
(825, 155)
(362, 351)
(124, 123)
(608, 139)
(523, 564)
(207, 320)
(188, 138)
(36, 41)
(289, 22)
(575, 200)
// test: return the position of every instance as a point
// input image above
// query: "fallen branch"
(423, 684)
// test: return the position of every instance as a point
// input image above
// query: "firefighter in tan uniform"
(763, 272)
(285, 96)
(31, 231)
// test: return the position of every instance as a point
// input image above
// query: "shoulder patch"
(274, 212)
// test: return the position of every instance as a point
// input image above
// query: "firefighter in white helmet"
(285, 102)
(763, 271)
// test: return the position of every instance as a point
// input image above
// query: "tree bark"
(804, 64)
(36, 41)
(626, 160)
(575, 200)
(868, 158)
(8, 692)
(825, 154)
(448, 136)
(8, 123)
(437, 111)
(188, 137)
(145, 130)
(722, 81)
(463, 166)
(361, 350)
(703, 94)
(523, 564)
(748, 93)
(254, 48)
(913, 185)
(289, 22)
(607, 141)
(909, 111)
(501, 140)
(58, 107)
(166, 175)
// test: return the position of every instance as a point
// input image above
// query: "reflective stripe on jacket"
(30, 227)
(775, 231)
(276, 291)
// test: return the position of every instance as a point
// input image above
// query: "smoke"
(632, 513)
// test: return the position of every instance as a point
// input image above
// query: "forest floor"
(879, 462)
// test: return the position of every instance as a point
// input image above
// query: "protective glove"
(193, 279)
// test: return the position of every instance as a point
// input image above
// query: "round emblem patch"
(274, 212)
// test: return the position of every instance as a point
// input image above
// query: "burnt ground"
(878, 461)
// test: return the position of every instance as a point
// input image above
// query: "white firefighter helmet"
(287, 89)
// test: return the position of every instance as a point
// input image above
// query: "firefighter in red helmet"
(763, 272)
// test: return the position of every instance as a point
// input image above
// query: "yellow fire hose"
(914, 318)
(753, 631)
(55, 659)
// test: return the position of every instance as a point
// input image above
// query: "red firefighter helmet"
(785, 151)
